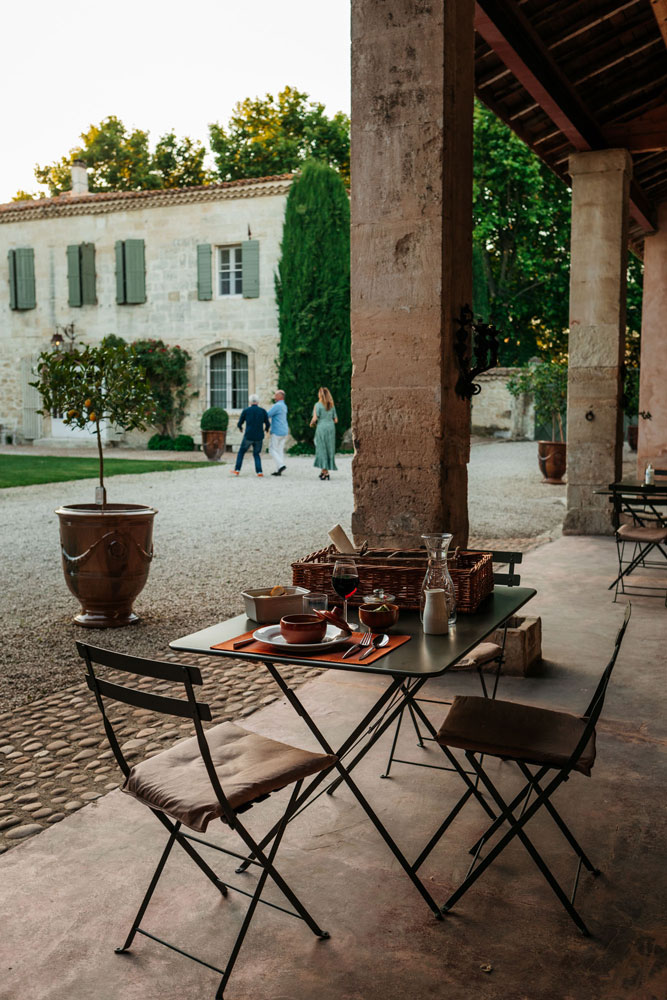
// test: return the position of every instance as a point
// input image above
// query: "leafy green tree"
(268, 136)
(180, 162)
(521, 219)
(313, 293)
(546, 382)
(120, 160)
(165, 369)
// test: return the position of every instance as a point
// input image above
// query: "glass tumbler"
(315, 602)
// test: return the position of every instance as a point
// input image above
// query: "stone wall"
(495, 411)
(172, 312)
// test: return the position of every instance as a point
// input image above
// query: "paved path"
(214, 536)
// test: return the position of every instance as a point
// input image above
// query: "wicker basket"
(399, 572)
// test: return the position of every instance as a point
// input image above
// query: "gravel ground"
(215, 534)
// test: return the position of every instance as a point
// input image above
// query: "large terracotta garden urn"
(552, 458)
(106, 555)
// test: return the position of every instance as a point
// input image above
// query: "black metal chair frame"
(508, 579)
(649, 511)
(199, 712)
(542, 782)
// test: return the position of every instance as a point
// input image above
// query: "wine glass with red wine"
(345, 580)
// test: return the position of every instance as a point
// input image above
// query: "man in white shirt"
(279, 430)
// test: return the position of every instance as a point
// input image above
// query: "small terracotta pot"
(106, 555)
(552, 458)
(214, 444)
(302, 628)
(378, 621)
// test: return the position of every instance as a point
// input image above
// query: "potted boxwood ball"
(106, 548)
(213, 424)
(546, 382)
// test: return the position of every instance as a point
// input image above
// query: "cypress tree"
(313, 294)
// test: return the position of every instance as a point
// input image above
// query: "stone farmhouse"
(191, 266)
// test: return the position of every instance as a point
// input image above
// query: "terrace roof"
(576, 75)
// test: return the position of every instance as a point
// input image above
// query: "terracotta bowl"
(303, 628)
(376, 620)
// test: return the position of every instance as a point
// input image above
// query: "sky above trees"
(157, 64)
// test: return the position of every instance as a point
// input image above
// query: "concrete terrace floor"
(67, 897)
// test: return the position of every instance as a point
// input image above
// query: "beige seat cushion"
(635, 533)
(522, 732)
(248, 766)
(483, 653)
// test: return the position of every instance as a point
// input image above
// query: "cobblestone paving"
(54, 755)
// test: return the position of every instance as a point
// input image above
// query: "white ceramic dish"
(264, 609)
(334, 638)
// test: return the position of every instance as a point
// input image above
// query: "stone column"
(412, 98)
(652, 444)
(598, 264)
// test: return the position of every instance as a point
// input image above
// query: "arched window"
(228, 380)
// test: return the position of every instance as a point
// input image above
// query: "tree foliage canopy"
(268, 136)
(313, 293)
(119, 159)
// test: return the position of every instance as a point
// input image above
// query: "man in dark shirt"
(256, 421)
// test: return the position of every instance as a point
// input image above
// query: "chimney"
(79, 177)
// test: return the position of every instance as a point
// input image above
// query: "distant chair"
(215, 775)
(554, 744)
(479, 659)
(636, 540)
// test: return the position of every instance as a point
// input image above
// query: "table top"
(423, 656)
(637, 486)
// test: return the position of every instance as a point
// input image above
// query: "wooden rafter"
(644, 134)
(660, 11)
(510, 34)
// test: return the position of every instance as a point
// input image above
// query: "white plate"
(334, 638)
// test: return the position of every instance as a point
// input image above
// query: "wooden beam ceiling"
(508, 32)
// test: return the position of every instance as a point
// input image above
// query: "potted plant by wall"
(106, 548)
(546, 382)
(213, 424)
(631, 404)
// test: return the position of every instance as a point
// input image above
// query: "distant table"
(406, 668)
(633, 497)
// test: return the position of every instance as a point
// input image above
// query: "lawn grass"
(27, 470)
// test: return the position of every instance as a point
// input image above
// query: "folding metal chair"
(553, 743)
(214, 775)
(644, 535)
(480, 659)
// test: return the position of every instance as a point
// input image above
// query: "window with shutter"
(73, 276)
(204, 272)
(11, 258)
(130, 272)
(230, 271)
(88, 276)
(22, 279)
(135, 272)
(250, 263)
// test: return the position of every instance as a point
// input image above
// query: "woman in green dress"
(324, 421)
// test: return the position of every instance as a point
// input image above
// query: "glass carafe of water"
(437, 574)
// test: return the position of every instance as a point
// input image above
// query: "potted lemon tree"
(106, 548)
(546, 382)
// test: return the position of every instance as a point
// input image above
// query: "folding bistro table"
(406, 668)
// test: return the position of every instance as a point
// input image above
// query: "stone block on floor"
(523, 646)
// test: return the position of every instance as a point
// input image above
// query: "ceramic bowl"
(302, 628)
(376, 620)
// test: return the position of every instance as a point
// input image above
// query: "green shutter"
(250, 265)
(135, 272)
(11, 258)
(25, 279)
(204, 272)
(88, 286)
(120, 272)
(73, 275)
